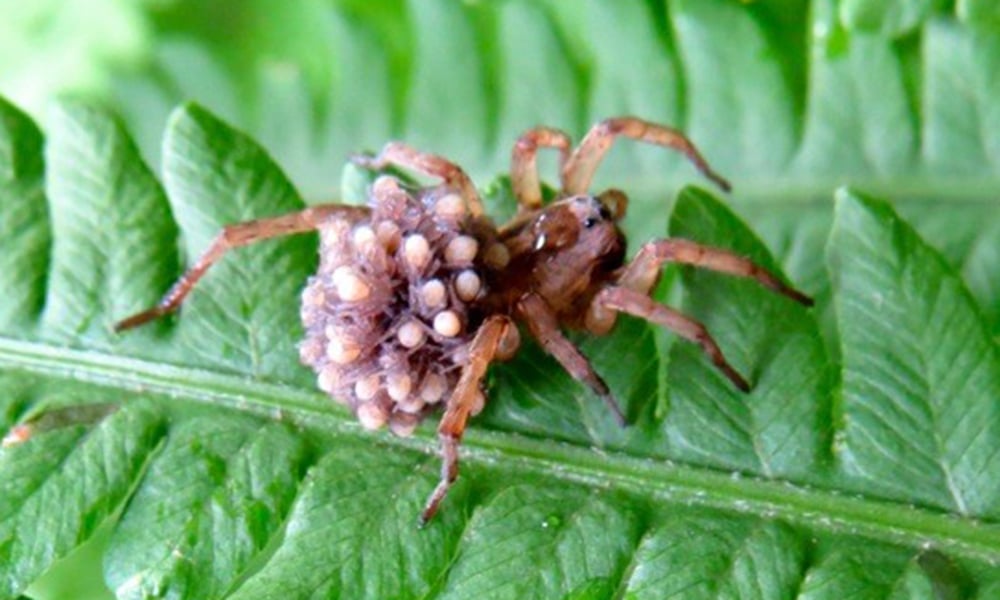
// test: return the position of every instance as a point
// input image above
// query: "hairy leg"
(643, 272)
(398, 154)
(544, 326)
(483, 350)
(524, 167)
(639, 274)
(579, 169)
(628, 301)
(234, 236)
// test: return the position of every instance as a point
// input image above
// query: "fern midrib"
(810, 507)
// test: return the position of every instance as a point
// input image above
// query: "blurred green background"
(805, 93)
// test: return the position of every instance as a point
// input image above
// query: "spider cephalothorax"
(418, 292)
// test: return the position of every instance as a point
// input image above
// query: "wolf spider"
(418, 292)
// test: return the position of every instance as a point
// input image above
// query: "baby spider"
(418, 292)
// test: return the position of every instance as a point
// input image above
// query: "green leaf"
(979, 12)
(116, 242)
(780, 429)
(893, 17)
(360, 502)
(64, 481)
(215, 176)
(959, 142)
(726, 46)
(465, 98)
(24, 238)
(921, 373)
(711, 558)
(544, 542)
(859, 84)
(217, 493)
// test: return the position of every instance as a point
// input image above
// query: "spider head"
(579, 219)
(580, 233)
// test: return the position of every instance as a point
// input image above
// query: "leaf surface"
(921, 374)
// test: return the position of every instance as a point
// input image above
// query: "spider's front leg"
(643, 272)
(630, 294)
(579, 169)
(234, 236)
(524, 167)
(398, 154)
(628, 301)
(483, 350)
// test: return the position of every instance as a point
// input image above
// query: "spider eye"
(605, 212)
(589, 222)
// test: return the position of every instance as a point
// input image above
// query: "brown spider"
(417, 293)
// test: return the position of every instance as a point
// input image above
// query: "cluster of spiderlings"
(390, 313)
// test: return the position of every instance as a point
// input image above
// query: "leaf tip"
(851, 204)
(693, 192)
(190, 115)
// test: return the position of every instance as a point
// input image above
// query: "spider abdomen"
(389, 315)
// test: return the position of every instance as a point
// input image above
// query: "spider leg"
(524, 167)
(579, 169)
(643, 272)
(621, 299)
(482, 351)
(398, 154)
(234, 236)
(544, 326)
